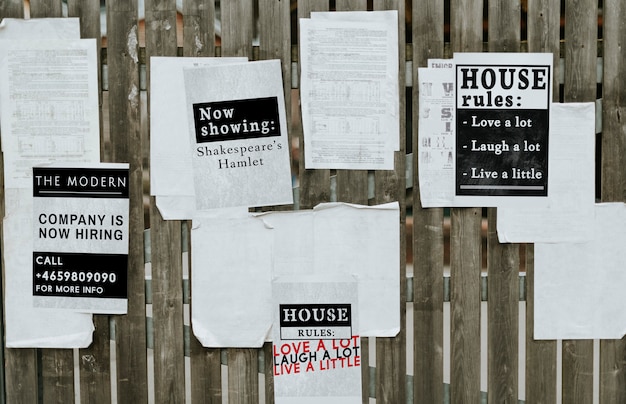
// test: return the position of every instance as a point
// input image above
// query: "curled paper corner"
(208, 339)
(383, 333)
(76, 340)
(383, 206)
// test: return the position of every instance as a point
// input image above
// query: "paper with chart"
(349, 90)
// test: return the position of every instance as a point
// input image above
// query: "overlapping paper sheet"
(323, 369)
(235, 258)
(483, 136)
(579, 287)
(41, 124)
(171, 174)
(349, 89)
(570, 212)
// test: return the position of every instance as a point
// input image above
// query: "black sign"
(322, 315)
(79, 274)
(49, 182)
(236, 119)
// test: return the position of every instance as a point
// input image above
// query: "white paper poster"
(237, 256)
(80, 249)
(171, 174)
(238, 131)
(316, 352)
(570, 213)
(27, 326)
(501, 126)
(349, 89)
(579, 287)
(45, 328)
(48, 105)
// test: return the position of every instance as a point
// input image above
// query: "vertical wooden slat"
(199, 28)
(428, 246)
(11, 9)
(389, 186)
(199, 40)
(465, 243)
(45, 8)
(237, 27)
(543, 36)
(57, 364)
(314, 184)
(503, 259)
(579, 86)
(124, 120)
(613, 352)
(237, 33)
(275, 43)
(165, 241)
(94, 361)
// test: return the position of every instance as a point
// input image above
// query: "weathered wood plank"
(46, 8)
(165, 241)
(243, 376)
(613, 352)
(428, 245)
(94, 361)
(57, 365)
(543, 36)
(237, 32)
(275, 43)
(126, 146)
(579, 86)
(11, 9)
(503, 259)
(199, 28)
(465, 243)
(389, 186)
(237, 28)
(57, 375)
(314, 184)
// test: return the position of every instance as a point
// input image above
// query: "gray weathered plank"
(126, 146)
(57, 364)
(165, 241)
(428, 245)
(314, 184)
(46, 8)
(543, 36)
(95, 360)
(465, 243)
(579, 86)
(503, 259)
(199, 28)
(390, 186)
(237, 33)
(613, 352)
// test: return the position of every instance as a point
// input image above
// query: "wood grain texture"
(165, 241)
(503, 259)
(243, 376)
(126, 146)
(465, 243)
(428, 242)
(237, 27)
(11, 9)
(390, 186)
(57, 372)
(613, 352)
(543, 36)
(46, 8)
(579, 86)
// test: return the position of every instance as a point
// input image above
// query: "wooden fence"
(137, 358)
